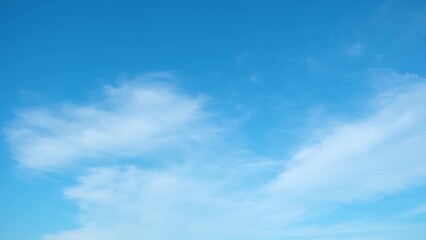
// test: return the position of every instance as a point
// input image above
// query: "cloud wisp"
(221, 195)
(379, 154)
(129, 120)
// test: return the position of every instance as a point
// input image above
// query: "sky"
(233, 120)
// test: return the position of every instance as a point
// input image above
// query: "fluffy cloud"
(129, 120)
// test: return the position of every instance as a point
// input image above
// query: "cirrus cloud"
(132, 119)
(221, 195)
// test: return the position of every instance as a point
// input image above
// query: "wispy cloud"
(376, 155)
(129, 120)
(222, 194)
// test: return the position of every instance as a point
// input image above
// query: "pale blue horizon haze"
(231, 120)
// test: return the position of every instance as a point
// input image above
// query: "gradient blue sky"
(212, 120)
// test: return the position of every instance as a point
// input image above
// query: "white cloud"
(131, 119)
(377, 155)
(132, 203)
(222, 194)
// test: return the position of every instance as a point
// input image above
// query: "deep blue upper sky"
(57, 45)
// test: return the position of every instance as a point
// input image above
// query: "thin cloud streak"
(378, 155)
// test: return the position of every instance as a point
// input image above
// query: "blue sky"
(212, 120)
